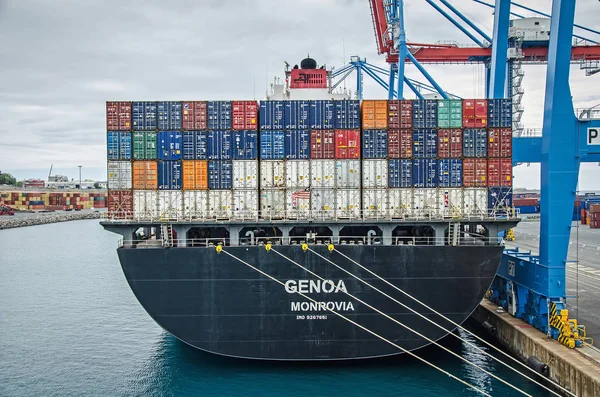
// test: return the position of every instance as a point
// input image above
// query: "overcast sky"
(62, 59)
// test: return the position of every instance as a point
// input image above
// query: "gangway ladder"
(454, 233)
(166, 232)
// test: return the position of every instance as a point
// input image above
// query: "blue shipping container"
(218, 115)
(500, 113)
(169, 115)
(450, 173)
(272, 145)
(118, 145)
(400, 173)
(425, 173)
(347, 115)
(169, 175)
(170, 145)
(271, 115)
(322, 115)
(219, 145)
(194, 145)
(533, 209)
(425, 113)
(296, 115)
(245, 145)
(475, 142)
(297, 145)
(500, 198)
(220, 175)
(425, 143)
(143, 115)
(375, 144)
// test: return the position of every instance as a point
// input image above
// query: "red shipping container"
(118, 116)
(450, 143)
(193, 115)
(322, 144)
(481, 108)
(500, 142)
(244, 115)
(400, 144)
(499, 172)
(475, 172)
(400, 114)
(468, 109)
(347, 144)
(120, 204)
(526, 202)
(594, 208)
(595, 224)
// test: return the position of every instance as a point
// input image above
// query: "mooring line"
(409, 328)
(364, 328)
(458, 326)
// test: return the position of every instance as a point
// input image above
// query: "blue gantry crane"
(532, 287)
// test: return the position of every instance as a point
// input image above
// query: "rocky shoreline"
(42, 218)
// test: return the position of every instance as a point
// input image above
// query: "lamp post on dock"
(80, 175)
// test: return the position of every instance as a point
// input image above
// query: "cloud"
(62, 60)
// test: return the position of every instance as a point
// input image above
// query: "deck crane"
(531, 286)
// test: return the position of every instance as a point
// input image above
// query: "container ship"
(233, 214)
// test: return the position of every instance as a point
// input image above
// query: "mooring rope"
(453, 323)
(364, 328)
(409, 328)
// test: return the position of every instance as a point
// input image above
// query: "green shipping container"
(450, 113)
(144, 145)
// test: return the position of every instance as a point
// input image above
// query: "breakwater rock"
(41, 218)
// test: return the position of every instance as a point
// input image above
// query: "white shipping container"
(245, 204)
(375, 203)
(272, 203)
(220, 204)
(425, 203)
(145, 204)
(170, 205)
(375, 174)
(347, 174)
(322, 173)
(272, 174)
(297, 203)
(322, 203)
(245, 174)
(297, 174)
(475, 202)
(347, 203)
(400, 202)
(195, 204)
(450, 202)
(119, 175)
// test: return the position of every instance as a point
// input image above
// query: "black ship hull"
(218, 304)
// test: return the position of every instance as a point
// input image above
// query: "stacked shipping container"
(423, 158)
(52, 200)
(310, 159)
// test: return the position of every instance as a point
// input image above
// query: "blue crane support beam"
(341, 71)
(546, 15)
(467, 20)
(454, 22)
(499, 49)
(522, 16)
(402, 51)
(427, 75)
(560, 160)
(529, 149)
(391, 82)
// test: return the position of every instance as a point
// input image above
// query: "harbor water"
(70, 326)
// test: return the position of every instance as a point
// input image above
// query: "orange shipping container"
(374, 115)
(195, 174)
(145, 175)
